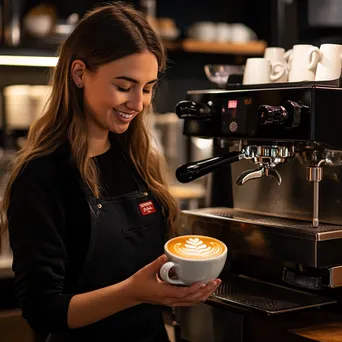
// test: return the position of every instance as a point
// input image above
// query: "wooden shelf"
(255, 48)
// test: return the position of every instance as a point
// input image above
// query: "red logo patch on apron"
(147, 208)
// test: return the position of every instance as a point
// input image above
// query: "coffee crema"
(202, 247)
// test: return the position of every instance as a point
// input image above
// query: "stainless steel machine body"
(275, 193)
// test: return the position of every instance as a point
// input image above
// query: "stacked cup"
(271, 68)
(304, 62)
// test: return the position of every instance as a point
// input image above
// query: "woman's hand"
(146, 287)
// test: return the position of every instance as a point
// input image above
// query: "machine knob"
(272, 115)
(193, 110)
(288, 115)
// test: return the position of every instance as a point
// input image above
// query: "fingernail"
(200, 286)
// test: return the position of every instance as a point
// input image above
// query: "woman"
(86, 254)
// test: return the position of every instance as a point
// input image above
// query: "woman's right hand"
(146, 287)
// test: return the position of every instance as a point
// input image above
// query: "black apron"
(127, 232)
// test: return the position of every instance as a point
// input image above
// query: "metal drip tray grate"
(265, 297)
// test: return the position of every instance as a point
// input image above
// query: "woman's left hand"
(146, 287)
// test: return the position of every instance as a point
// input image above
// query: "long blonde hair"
(105, 34)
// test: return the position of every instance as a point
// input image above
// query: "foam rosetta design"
(196, 248)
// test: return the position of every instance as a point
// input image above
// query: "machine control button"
(233, 126)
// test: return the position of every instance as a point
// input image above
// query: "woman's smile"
(124, 117)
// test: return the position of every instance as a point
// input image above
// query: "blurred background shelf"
(250, 48)
(24, 51)
(254, 48)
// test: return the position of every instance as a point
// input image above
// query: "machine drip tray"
(285, 224)
(255, 295)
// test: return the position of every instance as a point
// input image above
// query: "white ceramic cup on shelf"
(194, 258)
(223, 32)
(276, 55)
(330, 64)
(261, 70)
(302, 61)
(203, 30)
(240, 33)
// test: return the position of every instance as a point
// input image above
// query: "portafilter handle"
(191, 171)
(192, 110)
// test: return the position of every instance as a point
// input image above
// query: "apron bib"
(127, 233)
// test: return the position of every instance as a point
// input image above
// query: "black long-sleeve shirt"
(49, 225)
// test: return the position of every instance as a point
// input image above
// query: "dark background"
(278, 22)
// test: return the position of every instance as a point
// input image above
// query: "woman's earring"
(80, 85)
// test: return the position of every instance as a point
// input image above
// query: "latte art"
(196, 247)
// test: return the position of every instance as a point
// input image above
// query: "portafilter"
(265, 156)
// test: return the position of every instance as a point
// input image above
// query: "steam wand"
(315, 174)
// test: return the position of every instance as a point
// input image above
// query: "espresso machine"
(275, 199)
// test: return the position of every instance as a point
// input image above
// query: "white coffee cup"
(276, 55)
(240, 33)
(261, 70)
(223, 32)
(195, 267)
(302, 61)
(203, 30)
(330, 63)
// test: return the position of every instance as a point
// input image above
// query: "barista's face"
(118, 91)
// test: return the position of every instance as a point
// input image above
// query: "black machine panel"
(276, 114)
